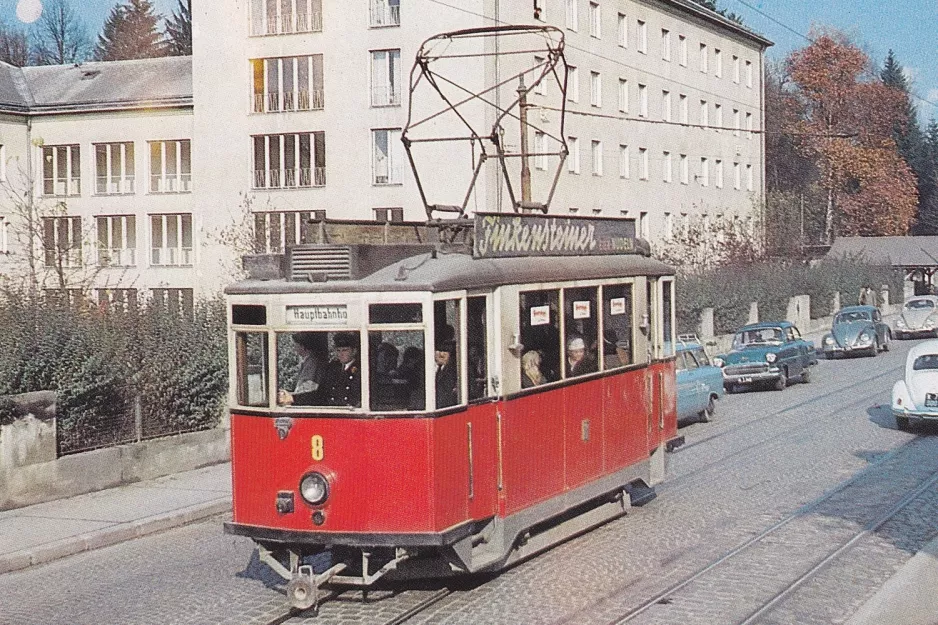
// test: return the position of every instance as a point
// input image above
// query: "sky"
(909, 27)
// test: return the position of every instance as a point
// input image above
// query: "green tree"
(178, 30)
(130, 33)
(928, 183)
(61, 35)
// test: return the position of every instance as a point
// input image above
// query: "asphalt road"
(753, 501)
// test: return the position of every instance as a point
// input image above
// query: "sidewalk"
(56, 529)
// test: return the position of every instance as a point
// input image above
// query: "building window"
(595, 21)
(718, 115)
(170, 166)
(175, 301)
(737, 182)
(719, 174)
(114, 168)
(642, 37)
(596, 89)
(386, 78)
(665, 44)
(3, 163)
(274, 231)
(666, 105)
(624, 162)
(750, 183)
(704, 172)
(643, 225)
(573, 19)
(597, 154)
(682, 49)
(120, 300)
(643, 163)
(642, 101)
(749, 74)
(61, 170)
(292, 83)
(541, 87)
(623, 31)
(384, 215)
(385, 13)
(623, 95)
(749, 125)
(284, 17)
(666, 166)
(704, 59)
(573, 162)
(736, 69)
(718, 63)
(61, 241)
(682, 102)
(704, 114)
(685, 170)
(668, 226)
(540, 151)
(289, 160)
(4, 236)
(171, 240)
(388, 156)
(117, 240)
(573, 84)
(736, 122)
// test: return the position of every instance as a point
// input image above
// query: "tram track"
(292, 614)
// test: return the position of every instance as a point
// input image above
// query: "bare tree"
(14, 46)
(62, 37)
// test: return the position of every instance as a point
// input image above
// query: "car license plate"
(745, 380)
(931, 400)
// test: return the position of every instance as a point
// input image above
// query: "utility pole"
(523, 117)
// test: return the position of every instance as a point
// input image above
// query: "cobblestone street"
(791, 476)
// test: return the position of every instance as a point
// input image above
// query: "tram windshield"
(319, 369)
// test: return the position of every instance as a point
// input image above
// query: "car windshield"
(928, 361)
(853, 315)
(758, 336)
(919, 304)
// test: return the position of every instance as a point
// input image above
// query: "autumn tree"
(846, 127)
(130, 33)
(178, 30)
(61, 35)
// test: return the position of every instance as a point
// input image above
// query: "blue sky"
(909, 27)
(93, 12)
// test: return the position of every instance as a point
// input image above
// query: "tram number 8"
(317, 448)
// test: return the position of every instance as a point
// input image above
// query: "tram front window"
(580, 331)
(446, 353)
(318, 369)
(540, 337)
(396, 365)
(251, 359)
(617, 326)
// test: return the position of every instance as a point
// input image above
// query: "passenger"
(382, 376)
(616, 351)
(342, 380)
(578, 362)
(310, 347)
(531, 370)
(446, 379)
(411, 371)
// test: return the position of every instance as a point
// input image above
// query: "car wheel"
(782, 381)
(805, 375)
(706, 415)
(903, 424)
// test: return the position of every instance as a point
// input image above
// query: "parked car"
(699, 382)
(857, 329)
(915, 396)
(767, 353)
(919, 317)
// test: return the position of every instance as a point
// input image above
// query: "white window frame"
(121, 183)
(541, 87)
(737, 176)
(749, 125)
(67, 240)
(704, 59)
(704, 177)
(736, 69)
(596, 89)
(540, 150)
(666, 45)
(668, 226)
(642, 36)
(265, 21)
(573, 160)
(623, 95)
(573, 18)
(666, 105)
(596, 154)
(642, 100)
(162, 182)
(643, 225)
(623, 30)
(685, 170)
(573, 84)
(266, 177)
(718, 62)
(666, 166)
(719, 173)
(386, 84)
(596, 21)
(395, 157)
(4, 235)
(643, 163)
(171, 253)
(718, 116)
(750, 177)
(303, 97)
(119, 248)
(385, 13)
(70, 185)
(682, 50)
(704, 114)
(736, 122)
(683, 105)
(749, 74)
(624, 165)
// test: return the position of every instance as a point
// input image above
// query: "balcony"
(290, 178)
(302, 100)
(384, 14)
(385, 95)
(106, 185)
(117, 257)
(171, 256)
(61, 187)
(181, 183)
(288, 23)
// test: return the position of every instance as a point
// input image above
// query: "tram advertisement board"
(504, 235)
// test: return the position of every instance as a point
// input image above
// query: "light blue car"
(699, 382)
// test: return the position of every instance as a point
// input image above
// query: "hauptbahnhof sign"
(506, 235)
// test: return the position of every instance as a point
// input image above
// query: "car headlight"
(718, 362)
(770, 358)
(900, 322)
(865, 337)
(930, 322)
(314, 488)
(828, 340)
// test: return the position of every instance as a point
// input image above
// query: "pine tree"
(130, 33)
(928, 185)
(178, 30)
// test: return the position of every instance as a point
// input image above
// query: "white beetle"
(915, 397)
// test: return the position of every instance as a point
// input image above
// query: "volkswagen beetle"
(699, 383)
(767, 353)
(915, 397)
(919, 317)
(857, 330)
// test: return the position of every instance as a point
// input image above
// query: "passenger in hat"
(615, 350)
(311, 348)
(342, 380)
(447, 380)
(578, 362)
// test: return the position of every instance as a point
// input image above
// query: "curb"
(113, 535)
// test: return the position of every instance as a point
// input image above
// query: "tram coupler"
(303, 588)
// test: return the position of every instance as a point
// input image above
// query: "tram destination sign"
(505, 235)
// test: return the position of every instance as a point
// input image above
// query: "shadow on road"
(882, 416)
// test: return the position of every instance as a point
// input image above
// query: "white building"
(298, 110)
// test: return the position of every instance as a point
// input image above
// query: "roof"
(922, 348)
(455, 271)
(104, 85)
(857, 309)
(766, 324)
(906, 252)
(688, 6)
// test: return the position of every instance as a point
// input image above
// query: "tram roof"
(448, 271)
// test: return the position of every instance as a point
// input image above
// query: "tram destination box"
(504, 235)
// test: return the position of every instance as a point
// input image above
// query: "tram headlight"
(770, 357)
(314, 488)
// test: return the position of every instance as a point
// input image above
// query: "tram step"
(639, 494)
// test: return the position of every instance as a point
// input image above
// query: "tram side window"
(447, 378)
(650, 307)
(476, 336)
(540, 335)
(396, 369)
(581, 331)
(617, 326)
(318, 369)
(667, 290)
(251, 361)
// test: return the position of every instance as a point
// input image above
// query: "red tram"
(429, 410)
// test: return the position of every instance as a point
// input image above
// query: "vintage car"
(915, 397)
(699, 383)
(767, 353)
(919, 317)
(857, 330)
